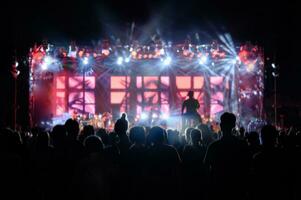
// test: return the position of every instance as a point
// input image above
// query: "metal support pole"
(275, 99)
(15, 105)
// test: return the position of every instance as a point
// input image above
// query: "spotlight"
(119, 60)
(154, 115)
(203, 60)
(273, 65)
(134, 54)
(164, 116)
(44, 66)
(162, 52)
(144, 116)
(233, 61)
(105, 52)
(275, 74)
(16, 64)
(127, 59)
(167, 61)
(46, 62)
(250, 67)
(236, 60)
(85, 61)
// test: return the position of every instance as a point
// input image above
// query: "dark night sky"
(271, 24)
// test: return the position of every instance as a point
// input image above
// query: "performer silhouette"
(191, 117)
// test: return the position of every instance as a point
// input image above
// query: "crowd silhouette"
(150, 162)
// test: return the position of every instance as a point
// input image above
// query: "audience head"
(253, 138)
(269, 136)
(43, 139)
(156, 135)
(228, 121)
(9, 140)
(137, 135)
(123, 116)
(93, 144)
(205, 130)
(72, 128)
(88, 130)
(196, 136)
(104, 136)
(172, 137)
(58, 135)
(187, 134)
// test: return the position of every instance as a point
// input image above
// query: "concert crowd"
(150, 162)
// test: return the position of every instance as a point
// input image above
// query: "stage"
(147, 81)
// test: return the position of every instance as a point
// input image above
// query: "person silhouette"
(163, 162)
(190, 105)
(271, 167)
(228, 161)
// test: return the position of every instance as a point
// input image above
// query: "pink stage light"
(117, 97)
(151, 82)
(183, 82)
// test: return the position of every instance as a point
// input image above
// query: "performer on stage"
(191, 115)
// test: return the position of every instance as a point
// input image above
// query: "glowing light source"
(119, 60)
(154, 115)
(46, 62)
(273, 65)
(162, 52)
(167, 61)
(105, 52)
(127, 60)
(144, 116)
(44, 66)
(85, 61)
(203, 60)
(250, 67)
(275, 74)
(164, 116)
(134, 54)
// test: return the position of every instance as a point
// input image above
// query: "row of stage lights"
(47, 61)
(201, 53)
(201, 58)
